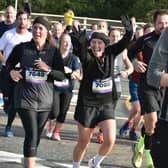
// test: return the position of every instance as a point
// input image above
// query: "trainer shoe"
(133, 136)
(56, 136)
(100, 138)
(149, 161)
(91, 163)
(8, 132)
(49, 134)
(123, 130)
(137, 156)
(49, 130)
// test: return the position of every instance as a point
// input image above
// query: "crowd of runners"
(41, 62)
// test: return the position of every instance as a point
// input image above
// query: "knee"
(109, 142)
(30, 146)
(83, 142)
(30, 151)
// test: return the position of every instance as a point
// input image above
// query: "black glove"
(126, 22)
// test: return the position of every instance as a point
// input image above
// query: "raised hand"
(126, 22)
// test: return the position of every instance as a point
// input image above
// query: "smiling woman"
(97, 94)
(41, 63)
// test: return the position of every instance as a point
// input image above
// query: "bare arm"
(128, 65)
(164, 80)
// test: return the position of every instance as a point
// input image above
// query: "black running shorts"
(90, 116)
(149, 101)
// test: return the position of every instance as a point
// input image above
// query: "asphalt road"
(54, 154)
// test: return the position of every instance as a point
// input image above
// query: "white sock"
(76, 165)
(98, 159)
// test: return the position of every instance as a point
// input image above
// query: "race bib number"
(102, 85)
(62, 85)
(35, 76)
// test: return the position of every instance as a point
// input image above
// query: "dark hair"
(21, 13)
(42, 20)
(159, 12)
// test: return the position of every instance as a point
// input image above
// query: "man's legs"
(134, 116)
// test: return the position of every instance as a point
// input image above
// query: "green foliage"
(108, 9)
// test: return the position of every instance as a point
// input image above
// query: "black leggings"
(7, 86)
(61, 104)
(33, 123)
(159, 150)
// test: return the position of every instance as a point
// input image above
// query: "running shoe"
(49, 130)
(133, 136)
(56, 136)
(8, 132)
(149, 161)
(91, 163)
(137, 156)
(124, 129)
(100, 138)
(1, 102)
(49, 134)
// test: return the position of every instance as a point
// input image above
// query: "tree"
(107, 9)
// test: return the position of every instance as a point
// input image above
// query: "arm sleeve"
(80, 44)
(117, 48)
(14, 57)
(159, 61)
(135, 48)
(2, 42)
(27, 7)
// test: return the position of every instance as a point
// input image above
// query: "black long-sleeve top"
(144, 44)
(35, 96)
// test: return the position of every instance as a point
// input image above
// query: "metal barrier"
(86, 22)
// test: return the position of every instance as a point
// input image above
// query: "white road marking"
(14, 157)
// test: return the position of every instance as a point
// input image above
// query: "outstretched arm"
(118, 47)
(27, 6)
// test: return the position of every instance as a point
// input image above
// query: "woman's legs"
(65, 99)
(82, 143)
(108, 128)
(33, 123)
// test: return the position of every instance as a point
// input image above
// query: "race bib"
(62, 85)
(102, 85)
(35, 76)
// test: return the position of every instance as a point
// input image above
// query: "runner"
(97, 93)
(40, 62)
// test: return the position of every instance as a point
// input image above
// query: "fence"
(86, 22)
